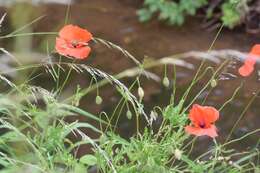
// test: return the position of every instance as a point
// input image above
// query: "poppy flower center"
(75, 44)
(202, 125)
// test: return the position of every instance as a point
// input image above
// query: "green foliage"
(143, 154)
(175, 12)
(231, 16)
(36, 136)
(88, 159)
(174, 115)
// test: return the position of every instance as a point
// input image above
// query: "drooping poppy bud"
(99, 100)
(140, 93)
(166, 82)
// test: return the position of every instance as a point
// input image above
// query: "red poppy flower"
(202, 119)
(73, 41)
(248, 67)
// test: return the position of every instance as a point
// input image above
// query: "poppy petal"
(79, 53)
(251, 60)
(255, 50)
(195, 114)
(65, 49)
(210, 114)
(61, 46)
(248, 66)
(211, 131)
(75, 33)
(246, 70)
(203, 115)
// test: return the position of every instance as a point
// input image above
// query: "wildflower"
(73, 41)
(177, 154)
(220, 158)
(202, 119)
(248, 67)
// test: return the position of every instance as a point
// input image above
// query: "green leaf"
(174, 115)
(79, 168)
(77, 125)
(231, 16)
(88, 160)
(144, 15)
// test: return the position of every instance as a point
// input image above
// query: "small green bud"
(234, 1)
(141, 92)
(129, 114)
(166, 82)
(102, 139)
(99, 100)
(213, 83)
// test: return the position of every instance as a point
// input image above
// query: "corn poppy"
(248, 67)
(73, 42)
(202, 121)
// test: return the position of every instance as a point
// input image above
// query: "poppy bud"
(166, 82)
(102, 139)
(213, 83)
(141, 92)
(99, 100)
(129, 114)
